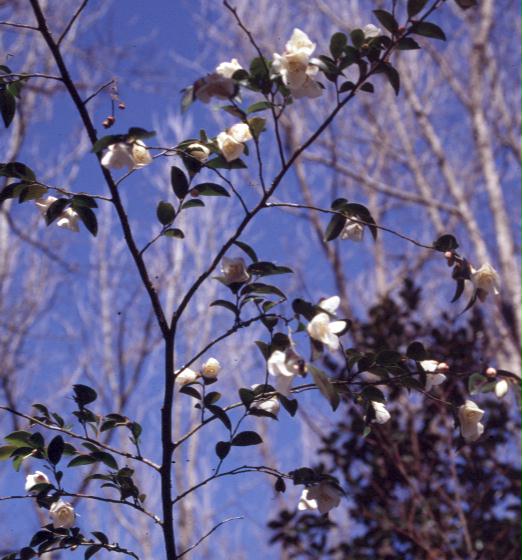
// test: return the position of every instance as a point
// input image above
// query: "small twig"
(19, 25)
(98, 91)
(71, 22)
(192, 547)
(21, 75)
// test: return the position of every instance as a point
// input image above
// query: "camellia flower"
(227, 69)
(323, 497)
(214, 85)
(501, 388)
(324, 330)
(353, 231)
(371, 31)
(294, 66)
(32, 480)
(284, 366)
(485, 280)
(132, 155)
(231, 143)
(198, 151)
(211, 368)
(62, 514)
(268, 404)
(68, 219)
(382, 414)
(434, 375)
(186, 376)
(470, 416)
(234, 271)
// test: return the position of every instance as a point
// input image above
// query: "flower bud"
(211, 368)
(491, 372)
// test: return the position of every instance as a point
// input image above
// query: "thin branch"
(19, 25)
(71, 22)
(33, 75)
(196, 544)
(98, 91)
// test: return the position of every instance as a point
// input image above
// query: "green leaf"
(81, 460)
(7, 107)
(475, 383)
(264, 268)
(387, 20)
(290, 405)
(18, 171)
(393, 77)
(88, 217)
(219, 162)
(407, 44)
(102, 537)
(222, 449)
(6, 451)
(32, 192)
(428, 29)
(210, 189)
(105, 458)
(371, 393)
(324, 386)
(195, 203)
(191, 392)
(257, 126)
(219, 413)
(174, 232)
(179, 182)
(368, 87)
(83, 200)
(165, 213)
(224, 303)
(357, 37)
(84, 395)
(260, 288)
(416, 351)
(247, 396)
(259, 106)
(55, 450)
(335, 227)
(279, 485)
(55, 210)
(445, 243)
(247, 249)
(137, 133)
(106, 141)
(338, 43)
(18, 438)
(246, 438)
(90, 551)
(415, 6)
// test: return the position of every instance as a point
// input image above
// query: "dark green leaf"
(334, 228)
(459, 290)
(222, 449)
(416, 351)
(346, 86)
(192, 204)
(371, 393)
(88, 217)
(136, 133)
(220, 162)
(90, 551)
(445, 243)
(393, 77)
(81, 460)
(106, 141)
(20, 437)
(428, 29)
(174, 232)
(387, 20)
(259, 106)
(55, 210)
(105, 458)
(210, 189)
(247, 249)
(84, 395)
(264, 268)
(55, 450)
(324, 386)
(83, 200)
(101, 537)
(165, 212)
(6, 451)
(40, 537)
(32, 192)
(388, 357)
(179, 182)
(221, 414)
(260, 288)
(191, 391)
(18, 171)
(368, 87)
(407, 44)
(7, 107)
(290, 405)
(226, 304)
(357, 37)
(279, 485)
(27, 553)
(338, 43)
(246, 438)
(247, 396)
(415, 6)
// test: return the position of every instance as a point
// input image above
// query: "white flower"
(198, 151)
(68, 219)
(353, 231)
(485, 280)
(234, 271)
(211, 368)
(62, 514)
(277, 367)
(231, 141)
(300, 43)
(382, 414)
(268, 404)
(186, 376)
(124, 154)
(33, 479)
(324, 330)
(371, 31)
(323, 497)
(294, 66)
(433, 371)
(470, 416)
(240, 132)
(214, 85)
(227, 69)
(501, 388)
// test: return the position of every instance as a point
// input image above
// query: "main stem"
(168, 450)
